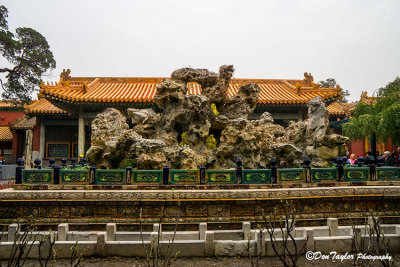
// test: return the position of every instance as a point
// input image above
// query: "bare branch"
(6, 70)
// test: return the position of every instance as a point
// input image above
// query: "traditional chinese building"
(9, 112)
(340, 113)
(19, 128)
(65, 109)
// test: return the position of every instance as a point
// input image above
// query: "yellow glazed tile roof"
(143, 90)
(367, 99)
(338, 108)
(23, 123)
(10, 104)
(42, 107)
(6, 104)
(5, 134)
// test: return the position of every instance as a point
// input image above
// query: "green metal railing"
(84, 175)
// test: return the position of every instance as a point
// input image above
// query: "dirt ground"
(199, 262)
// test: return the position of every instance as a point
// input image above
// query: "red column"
(15, 144)
(357, 147)
(36, 138)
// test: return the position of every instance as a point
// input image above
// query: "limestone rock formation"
(317, 122)
(204, 77)
(243, 103)
(140, 116)
(180, 134)
(108, 125)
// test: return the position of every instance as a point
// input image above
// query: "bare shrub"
(154, 256)
(285, 249)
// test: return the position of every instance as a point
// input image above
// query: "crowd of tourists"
(391, 159)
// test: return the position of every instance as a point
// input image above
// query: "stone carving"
(153, 137)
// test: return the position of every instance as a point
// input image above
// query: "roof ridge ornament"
(364, 97)
(40, 95)
(298, 87)
(65, 77)
(308, 78)
(84, 87)
(309, 81)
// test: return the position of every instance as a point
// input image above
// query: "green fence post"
(52, 163)
(372, 168)
(339, 166)
(38, 164)
(73, 162)
(274, 171)
(56, 179)
(18, 171)
(165, 175)
(202, 175)
(64, 163)
(92, 174)
(307, 169)
(239, 170)
(128, 175)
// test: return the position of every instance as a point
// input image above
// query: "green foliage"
(127, 163)
(381, 117)
(28, 51)
(331, 83)
(391, 89)
(214, 109)
(328, 83)
(211, 142)
(345, 93)
(185, 139)
(3, 18)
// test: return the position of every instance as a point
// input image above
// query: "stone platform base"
(222, 207)
(202, 242)
(200, 187)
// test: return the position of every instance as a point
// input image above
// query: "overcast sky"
(355, 42)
